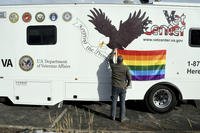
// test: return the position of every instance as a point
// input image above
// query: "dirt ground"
(95, 116)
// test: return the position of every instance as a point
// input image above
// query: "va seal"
(26, 63)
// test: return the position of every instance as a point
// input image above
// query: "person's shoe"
(125, 119)
(113, 118)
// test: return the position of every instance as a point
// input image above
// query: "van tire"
(160, 99)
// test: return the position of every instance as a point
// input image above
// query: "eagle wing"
(132, 28)
(102, 23)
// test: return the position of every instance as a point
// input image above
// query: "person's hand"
(114, 50)
(129, 87)
(126, 87)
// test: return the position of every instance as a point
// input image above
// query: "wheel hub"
(162, 98)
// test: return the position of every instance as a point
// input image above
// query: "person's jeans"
(122, 95)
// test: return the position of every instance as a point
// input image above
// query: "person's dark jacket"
(121, 77)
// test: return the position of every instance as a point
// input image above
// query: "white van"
(50, 53)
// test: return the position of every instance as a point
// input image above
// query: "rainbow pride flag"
(145, 65)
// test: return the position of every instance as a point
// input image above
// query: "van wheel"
(160, 99)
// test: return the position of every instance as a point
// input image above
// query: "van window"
(42, 35)
(194, 38)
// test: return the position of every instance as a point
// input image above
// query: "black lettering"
(6, 62)
(190, 71)
(170, 18)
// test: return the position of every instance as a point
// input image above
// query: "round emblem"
(40, 16)
(14, 17)
(67, 16)
(26, 17)
(26, 63)
(53, 16)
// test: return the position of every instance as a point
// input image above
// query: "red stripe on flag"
(136, 52)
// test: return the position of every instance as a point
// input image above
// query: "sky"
(6, 2)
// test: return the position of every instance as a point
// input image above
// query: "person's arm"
(111, 55)
(128, 76)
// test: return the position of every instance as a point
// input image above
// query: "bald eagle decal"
(128, 31)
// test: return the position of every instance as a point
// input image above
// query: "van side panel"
(75, 65)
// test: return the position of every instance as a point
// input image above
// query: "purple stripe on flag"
(150, 77)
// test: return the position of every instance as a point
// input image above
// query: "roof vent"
(148, 1)
(128, 1)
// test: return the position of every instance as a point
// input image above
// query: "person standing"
(121, 79)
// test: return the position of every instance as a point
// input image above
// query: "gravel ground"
(94, 116)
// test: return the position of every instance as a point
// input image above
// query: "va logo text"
(6, 63)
